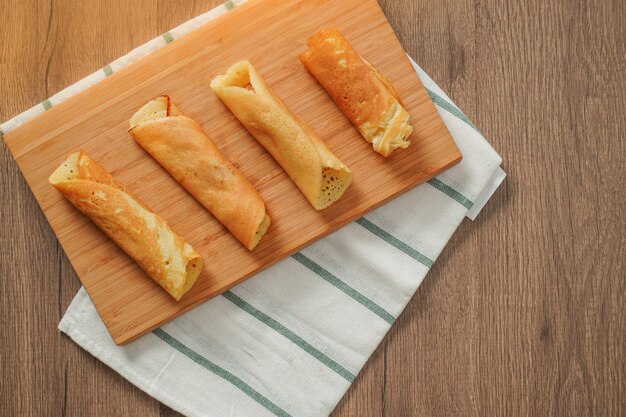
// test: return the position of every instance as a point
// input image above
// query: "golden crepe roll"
(143, 235)
(180, 145)
(319, 174)
(361, 92)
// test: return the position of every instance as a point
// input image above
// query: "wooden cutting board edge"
(455, 158)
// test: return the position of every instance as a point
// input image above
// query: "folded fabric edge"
(440, 99)
(493, 184)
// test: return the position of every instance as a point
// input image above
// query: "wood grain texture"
(522, 314)
(270, 33)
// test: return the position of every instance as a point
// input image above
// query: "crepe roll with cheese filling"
(180, 145)
(361, 92)
(319, 174)
(143, 235)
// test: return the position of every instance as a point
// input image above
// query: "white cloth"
(290, 340)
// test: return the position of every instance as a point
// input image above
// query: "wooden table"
(523, 313)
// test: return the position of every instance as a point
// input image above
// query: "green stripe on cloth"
(351, 292)
(300, 342)
(394, 241)
(168, 37)
(229, 5)
(451, 108)
(46, 104)
(107, 70)
(221, 372)
(451, 192)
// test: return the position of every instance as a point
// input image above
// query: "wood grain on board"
(270, 33)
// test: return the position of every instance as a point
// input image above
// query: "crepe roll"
(319, 174)
(180, 145)
(361, 92)
(143, 235)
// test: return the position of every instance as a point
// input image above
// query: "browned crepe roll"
(319, 174)
(361, 92)
(143, 235)
(180, 145)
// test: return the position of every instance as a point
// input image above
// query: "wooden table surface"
(524, 311)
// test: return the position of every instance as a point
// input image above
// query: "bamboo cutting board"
(270, 33)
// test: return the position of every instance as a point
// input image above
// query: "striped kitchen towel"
(290, 340)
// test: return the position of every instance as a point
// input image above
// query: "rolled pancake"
(180, 145)
(361, 92)
(319, 174)
(143, 235)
